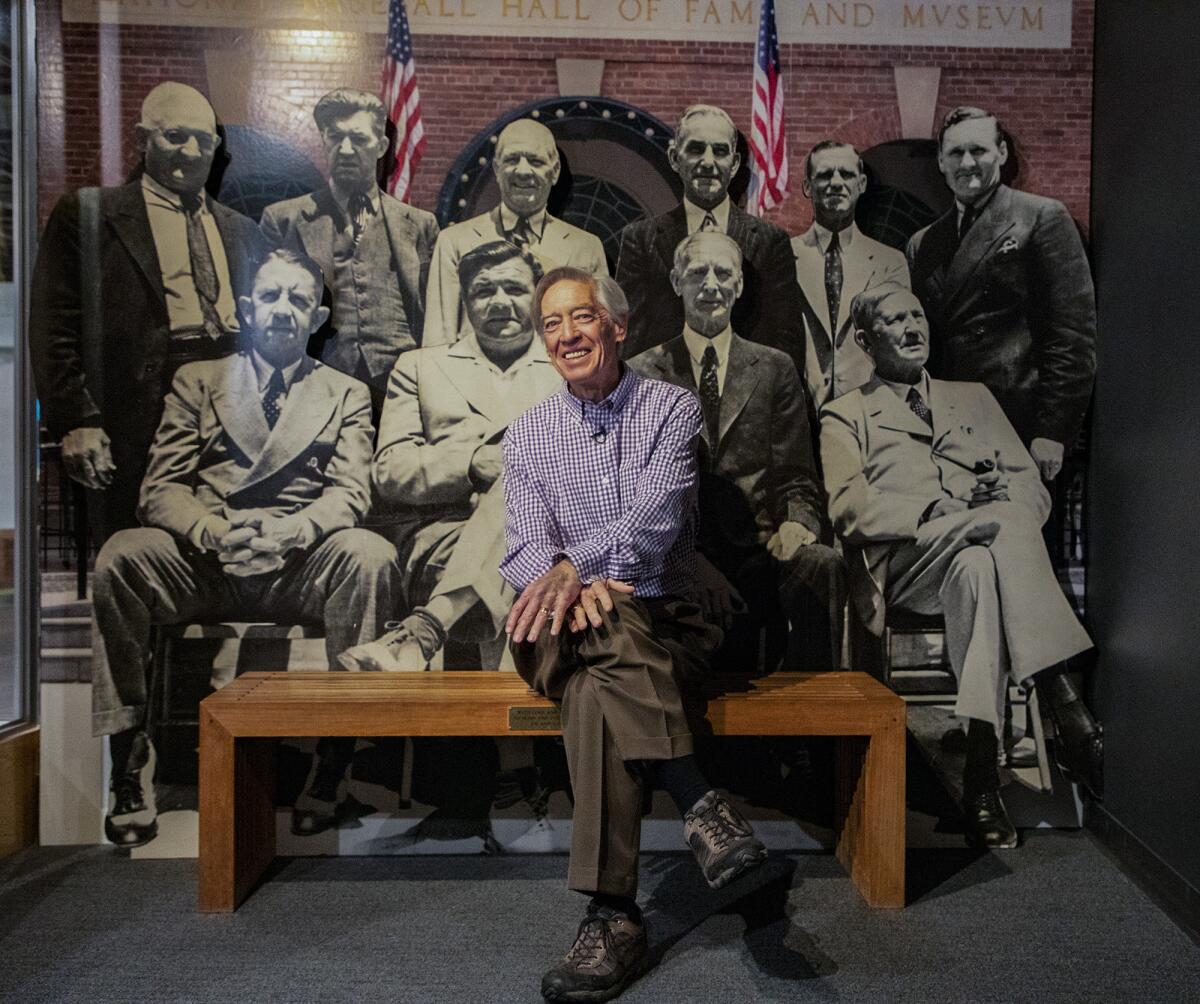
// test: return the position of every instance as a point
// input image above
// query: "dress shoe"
(723, 842)
(987, 822)
(1078, 737)
(609, 953)
(310, 816)
(132, 819)
(407, 647)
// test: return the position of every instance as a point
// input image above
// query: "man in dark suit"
(257, 480)
(761, 505)
(1005, 280)
(770, 310)
(374, 251)
(129, 283)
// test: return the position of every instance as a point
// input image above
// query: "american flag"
(403, 100)
(768, 148)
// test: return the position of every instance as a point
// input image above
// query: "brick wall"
(848, 92)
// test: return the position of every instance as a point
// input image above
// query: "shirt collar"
(263, 371)
(612, 404)
(163, 194)
(468, 347)
(697, 343)
(509, 221)
(901, 389)
(695, 215)
(845, 237)
(343, 198)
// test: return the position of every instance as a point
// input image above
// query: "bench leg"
(237, 815)
(870, 813)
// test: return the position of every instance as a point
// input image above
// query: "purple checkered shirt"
(609, 486)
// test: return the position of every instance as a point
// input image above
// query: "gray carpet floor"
(1053, 921)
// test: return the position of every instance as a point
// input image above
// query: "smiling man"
(763, 560)
(257, 479)
(374, 250)
(129, 284)
(770, 310)
(600, 524)
(834, 262)
(526, 165)
(1006, 281)
(931, 481)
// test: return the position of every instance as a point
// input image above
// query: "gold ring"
(547, 611)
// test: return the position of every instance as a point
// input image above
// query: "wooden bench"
(240, 726)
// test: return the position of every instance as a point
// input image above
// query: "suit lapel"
(315, 227)
(937, 252)
(239, 407)
(812, 284)
(466, 374)
(132, 225)
(889, 412)
(401, 233)
(742, 230)
(858, 261)
(993, 223)
(307, 410)
(671, 229)
(944, 408)
(741, 377)
(490, 226)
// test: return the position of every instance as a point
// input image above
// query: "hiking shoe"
(723, 842)
(609, 953)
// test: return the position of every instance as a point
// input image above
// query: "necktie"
(710, 397)
(708, 223)
(833, 284)
(970, 213)
(204, 271)
(273, 398)
(360, 211)
(522, 234)
(919, 407)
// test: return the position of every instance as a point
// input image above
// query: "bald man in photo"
(526, 165)
(130, 283)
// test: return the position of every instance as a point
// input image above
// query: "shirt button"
(604, 481)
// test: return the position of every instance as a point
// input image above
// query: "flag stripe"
(768, 145)
(398, 89)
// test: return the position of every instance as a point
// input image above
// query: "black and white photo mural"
(284, 380)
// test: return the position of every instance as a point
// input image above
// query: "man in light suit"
(930, 479)
(374, 250)
(130, 283)
(761, 506)
(526, 165)
(258, 477)
(1006, 282)
(769, 311)
(834, 262)
(439, 458)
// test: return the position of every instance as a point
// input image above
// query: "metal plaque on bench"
(534, 720)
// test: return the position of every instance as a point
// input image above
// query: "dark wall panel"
(1144, 579)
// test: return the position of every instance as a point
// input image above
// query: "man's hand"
(594, 598)
(87, 456)
(788, 540)
(1048, 455)
(989, 487)
(486, 464)
(719, 601)
(545, 600)
(946, 506)
(258, 542)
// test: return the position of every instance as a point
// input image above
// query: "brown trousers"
(623, 689)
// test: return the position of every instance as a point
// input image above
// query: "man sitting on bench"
(931, 480)
(600, 507)
(257, 479)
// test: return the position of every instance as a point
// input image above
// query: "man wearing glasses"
(130, 283)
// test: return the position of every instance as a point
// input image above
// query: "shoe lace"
(715, 828)
(591, 943)
(128, 790)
